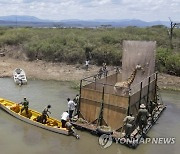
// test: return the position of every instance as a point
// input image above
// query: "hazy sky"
(148, 10)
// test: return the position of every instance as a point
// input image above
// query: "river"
(19, 137)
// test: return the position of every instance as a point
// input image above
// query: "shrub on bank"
(168, 61)
(105, 45)
(14, 37)
(109, 54)
(173, 64)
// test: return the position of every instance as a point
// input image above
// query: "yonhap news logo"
(106, 140)
(158, 140)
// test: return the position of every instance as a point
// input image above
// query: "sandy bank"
(46, 71)
(64, 72)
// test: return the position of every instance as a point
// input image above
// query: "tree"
(172, 26)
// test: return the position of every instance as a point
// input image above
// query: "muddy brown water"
(17, 137)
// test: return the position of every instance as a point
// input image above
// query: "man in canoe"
(66, 124)
(43, 118)
(25, 104)
(64, 118)
(45, 114)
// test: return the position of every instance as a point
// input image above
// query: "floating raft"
(116, 136)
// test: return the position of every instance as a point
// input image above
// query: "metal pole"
(78, 108)
(155, 88)
(149, 80)
(116, 76)
(100, 119)
(106, 77)
(95, 83)
(140, 94)
(129, 101)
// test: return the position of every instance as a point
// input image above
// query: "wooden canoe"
(13, 108)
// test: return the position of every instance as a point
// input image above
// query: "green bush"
(14, 36)
(75, 55)
(71, 45)
(168, 62)
(173, 64)
(109, 54)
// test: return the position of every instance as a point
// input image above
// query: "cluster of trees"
(70, 45)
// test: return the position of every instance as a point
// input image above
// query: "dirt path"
(63, 72)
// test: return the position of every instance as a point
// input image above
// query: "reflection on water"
(19, 137)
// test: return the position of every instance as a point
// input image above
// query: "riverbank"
(63, 72)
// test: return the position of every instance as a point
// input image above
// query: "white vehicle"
(19, 76)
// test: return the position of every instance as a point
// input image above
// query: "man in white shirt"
(68, 125)
(87, 64)
(64, 118)
(71, 107)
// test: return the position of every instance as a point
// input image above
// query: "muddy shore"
(63, 72)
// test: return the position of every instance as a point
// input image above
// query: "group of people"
(102, 71)
(42, 118)
(65, 117)
(130, 122)
(72, 110)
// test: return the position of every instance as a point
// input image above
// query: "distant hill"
(32, 21)
(18, 18)
(114, 23)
